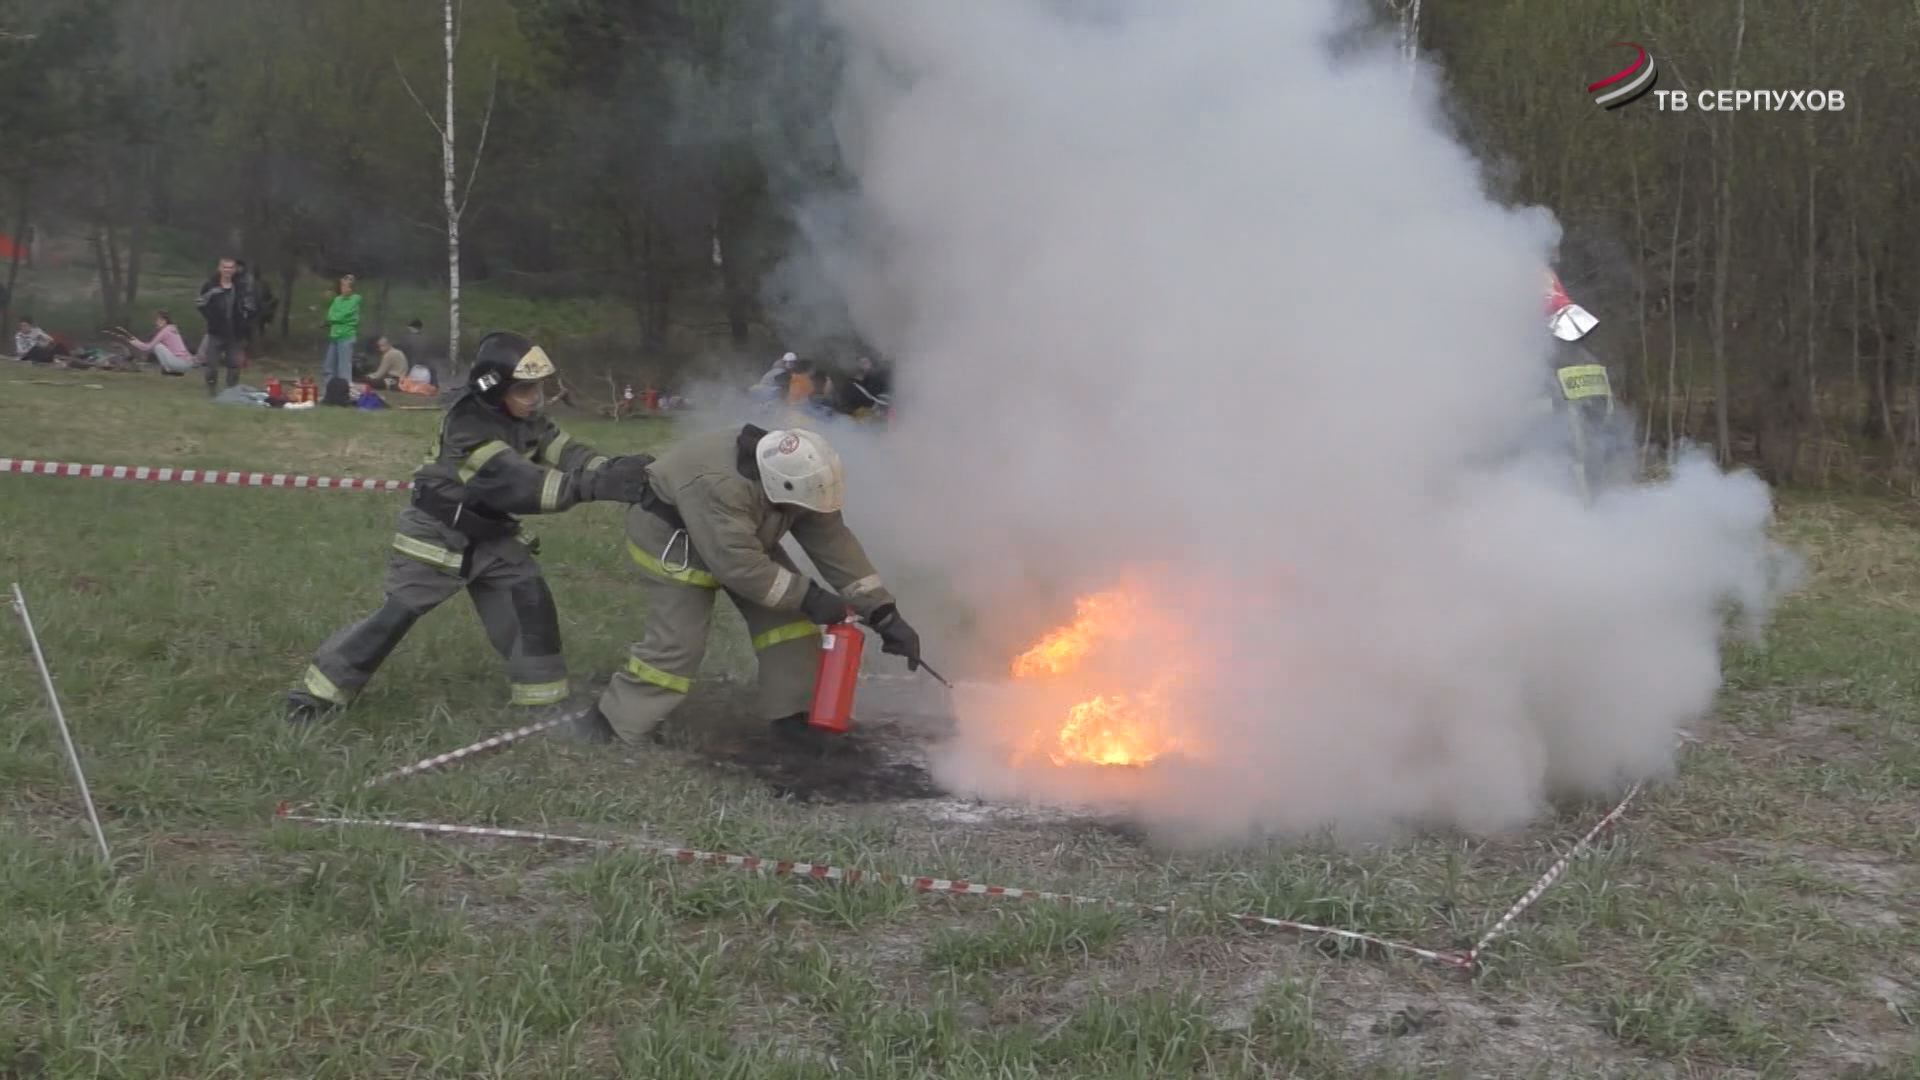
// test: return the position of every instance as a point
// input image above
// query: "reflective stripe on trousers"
(539, 693)
(323, 688)
(431, 554)
(665, 680)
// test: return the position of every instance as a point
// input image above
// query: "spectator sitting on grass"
(413, 342)
(32, 344)
(167, 348)
(393, 364)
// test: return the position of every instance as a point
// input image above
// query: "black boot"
(589, 726)
(303, 708)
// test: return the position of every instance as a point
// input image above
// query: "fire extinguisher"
(837, 678)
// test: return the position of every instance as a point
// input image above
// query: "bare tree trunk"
(136, 253)
(1853, 308)
(733, 279)
(1814, 419)
(1640, 286)
(1410, 41)
(19, 239)
(103, 260)
(116, 274)
(1673, 300)
(1723, 265)
(287, 276)
(657, 294)
(455, 204)
(1813, 305)
(1913, 395)
(1691, 380)
(453, 208)
(1880, 404)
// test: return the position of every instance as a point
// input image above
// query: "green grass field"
(1760, 916)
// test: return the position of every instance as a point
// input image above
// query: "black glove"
(622, 479)
(896, 637)
(821, 606)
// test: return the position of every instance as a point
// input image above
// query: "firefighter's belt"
(660, 508)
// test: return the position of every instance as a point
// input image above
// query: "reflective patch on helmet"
(534, 365)
(487, 382)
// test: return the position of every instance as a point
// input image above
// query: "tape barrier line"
(1540, 887)
(1468, 960)
(206, 477)
(482, 746)
(825, 872)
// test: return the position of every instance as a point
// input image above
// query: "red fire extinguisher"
(839, 673)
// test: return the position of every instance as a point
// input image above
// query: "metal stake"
(60, 718)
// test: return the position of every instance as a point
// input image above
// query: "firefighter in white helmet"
(711, 520)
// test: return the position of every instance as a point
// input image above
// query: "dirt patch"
(1385, 1017)
(859, 767)
(882, 759)
(1818, 732)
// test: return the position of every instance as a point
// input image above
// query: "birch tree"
(454, 195)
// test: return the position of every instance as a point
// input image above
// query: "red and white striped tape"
(825, 872)
(212, 477)
(483, 745)
(1539, 889)
(1468, 960)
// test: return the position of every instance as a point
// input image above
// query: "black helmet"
(503, 359)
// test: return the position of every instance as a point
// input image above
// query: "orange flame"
(1102, 615)
(1114, 728)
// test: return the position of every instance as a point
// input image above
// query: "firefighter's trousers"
(661, 666)
(427, 567)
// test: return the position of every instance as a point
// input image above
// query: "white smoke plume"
(1180, 298)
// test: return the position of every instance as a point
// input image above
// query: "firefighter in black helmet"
(495, 456)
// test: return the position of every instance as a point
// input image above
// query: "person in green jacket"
(343, 326)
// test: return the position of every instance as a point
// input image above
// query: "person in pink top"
(167, 348)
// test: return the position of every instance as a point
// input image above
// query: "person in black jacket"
(226, 303)
(496, 456)
(866, 389)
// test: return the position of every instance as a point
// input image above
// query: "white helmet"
(798, 467)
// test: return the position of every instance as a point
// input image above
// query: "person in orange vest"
(800, 385)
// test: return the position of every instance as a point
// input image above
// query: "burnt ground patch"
(859, 767)
(882, 759)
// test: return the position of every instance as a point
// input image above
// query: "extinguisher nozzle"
(928, 668)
